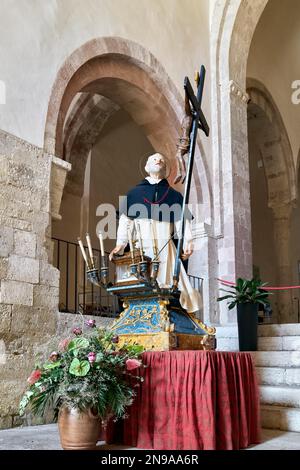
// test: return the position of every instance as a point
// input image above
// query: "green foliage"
(246, 291)
(76, 344)
(79, 368)
(88, 372)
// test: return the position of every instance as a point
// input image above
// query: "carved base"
(165, 341)
(158, 322)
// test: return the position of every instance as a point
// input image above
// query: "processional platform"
(152, 316)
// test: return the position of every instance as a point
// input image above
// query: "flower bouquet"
(89, 377)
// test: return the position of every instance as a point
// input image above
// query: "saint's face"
(156, 164)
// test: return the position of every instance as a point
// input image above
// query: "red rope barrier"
(229, 283)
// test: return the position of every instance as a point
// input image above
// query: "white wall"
(274, 59)
(37, 36)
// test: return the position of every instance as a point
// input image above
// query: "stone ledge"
(279, 343)
(280, 395)
(278, 375)
(276, 358)
(279, 417)
(227, 331)
(288, 329)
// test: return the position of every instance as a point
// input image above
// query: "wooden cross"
(198, 122)
(196, 102)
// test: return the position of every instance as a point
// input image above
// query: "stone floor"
(46, 438)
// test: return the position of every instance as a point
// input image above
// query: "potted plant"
(247, 295)
(85, 382)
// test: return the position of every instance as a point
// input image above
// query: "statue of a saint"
(152, 213)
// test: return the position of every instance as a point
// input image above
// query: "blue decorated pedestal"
(152, 316)
(157, 321)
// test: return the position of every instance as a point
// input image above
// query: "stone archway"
(122, 74)
(131, 77)
(268, 135)
(232, 30)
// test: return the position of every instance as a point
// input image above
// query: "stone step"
(276, 358)
(227, 344)
(287, 329)
(279, 417)
(281, 395)
(279, 343)
(278, 375)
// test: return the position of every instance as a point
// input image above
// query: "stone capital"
(201, 230)
(282, 211)
(236, 90)
(59, 170)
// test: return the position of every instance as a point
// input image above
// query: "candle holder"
(104, 275)
(93, 276)
(134, 269)
(154, 271)
(143, 269)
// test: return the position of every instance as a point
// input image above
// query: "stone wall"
(67, 321)
(29, 284)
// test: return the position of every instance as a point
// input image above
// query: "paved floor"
(46, 438)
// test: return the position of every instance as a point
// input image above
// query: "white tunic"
(190, 298)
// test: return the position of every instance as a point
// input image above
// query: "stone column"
(282, 216)
(29, 287)
(234, 247)
(203, 264)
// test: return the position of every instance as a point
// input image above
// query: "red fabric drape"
(195, 400)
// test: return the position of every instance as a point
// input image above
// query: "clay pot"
(78, 430)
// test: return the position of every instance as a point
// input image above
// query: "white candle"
(155, 251)
(138, 229)
(130, 245)
(83, 252)
(88, 240)
(101, 243)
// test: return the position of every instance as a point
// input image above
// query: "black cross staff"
(198, 121)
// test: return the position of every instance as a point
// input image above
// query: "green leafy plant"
(246, 291)
(87, 372)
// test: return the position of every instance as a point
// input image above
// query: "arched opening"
(246, 42)
(272, 193)
(295, 248)
(232, 30)
(111, 106)
(274, 49)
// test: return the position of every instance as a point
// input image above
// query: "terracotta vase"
(78, 430)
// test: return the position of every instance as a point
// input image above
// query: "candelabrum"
(99, 277)
(140, 266)
(145, 270)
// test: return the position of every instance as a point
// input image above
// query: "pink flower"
(34, 376)
(133, 364)
(91, 323)
(53, 356)
(91, 357)
(77, 331)
(64, 344)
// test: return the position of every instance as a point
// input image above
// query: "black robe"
(155, 200)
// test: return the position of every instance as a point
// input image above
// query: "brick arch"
(280, 171)
(131, 77)
(231, 35)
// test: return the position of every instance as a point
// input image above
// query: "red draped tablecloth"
(194, 400)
